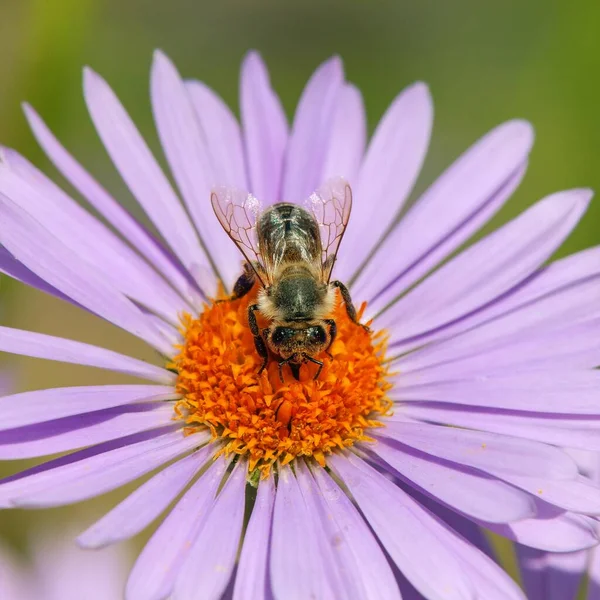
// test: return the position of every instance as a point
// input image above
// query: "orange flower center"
(262, 418)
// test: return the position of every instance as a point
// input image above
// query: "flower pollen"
(263, 418)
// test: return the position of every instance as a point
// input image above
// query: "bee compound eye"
(317, 334)
(281, 334)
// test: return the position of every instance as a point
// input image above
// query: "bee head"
(287, 341)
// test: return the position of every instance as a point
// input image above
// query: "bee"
(291, 250)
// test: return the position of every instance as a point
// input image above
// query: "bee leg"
(332, 334)
(348, 302)
(315, 361)
(281, 363)
(259, 342)
(243, 284)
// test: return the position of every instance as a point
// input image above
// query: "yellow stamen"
(259, 416)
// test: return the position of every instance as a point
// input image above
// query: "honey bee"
(291, 250)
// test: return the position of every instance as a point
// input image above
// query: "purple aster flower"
(560, 575)
(58, 570)
(478, 368)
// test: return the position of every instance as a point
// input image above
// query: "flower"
(558, 575)
(458, 401)
(58, 570)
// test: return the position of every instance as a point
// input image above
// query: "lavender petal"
(171, 543)
(145, 504)
(208, 567)
(252, 580)
(264, 128)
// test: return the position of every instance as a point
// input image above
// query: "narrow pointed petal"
(222, 134)
(27, 240)
(66, 220)
(171, 543)
(145, 504)
(10, 266)
(388, 174)
(190, 160)
(140, 170)
(39, 345)
(297, 572)
(496, 454)
(252, 580)
(459, 194)
(27, 408)
(265, 130)
(82, 430)
(211, 560)
(363, 564)
(348, 136)
(107, 206)
(311, 131)
(468, 491)
(492, 348)
(577, 392)
(570, 431)
(98, 474)
(560, 294)
(491, 267)
(336, 564)
(413, 539)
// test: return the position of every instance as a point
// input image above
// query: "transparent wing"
(238, 213)
(330, 205)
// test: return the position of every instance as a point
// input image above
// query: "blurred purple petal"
(252, 578)
(265, 130)
(311, 131)
(211, 559)
(551, 576)
(171, 543)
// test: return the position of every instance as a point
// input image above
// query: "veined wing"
(238, 212)
(330, 205)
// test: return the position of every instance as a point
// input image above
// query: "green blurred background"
(484, 61)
